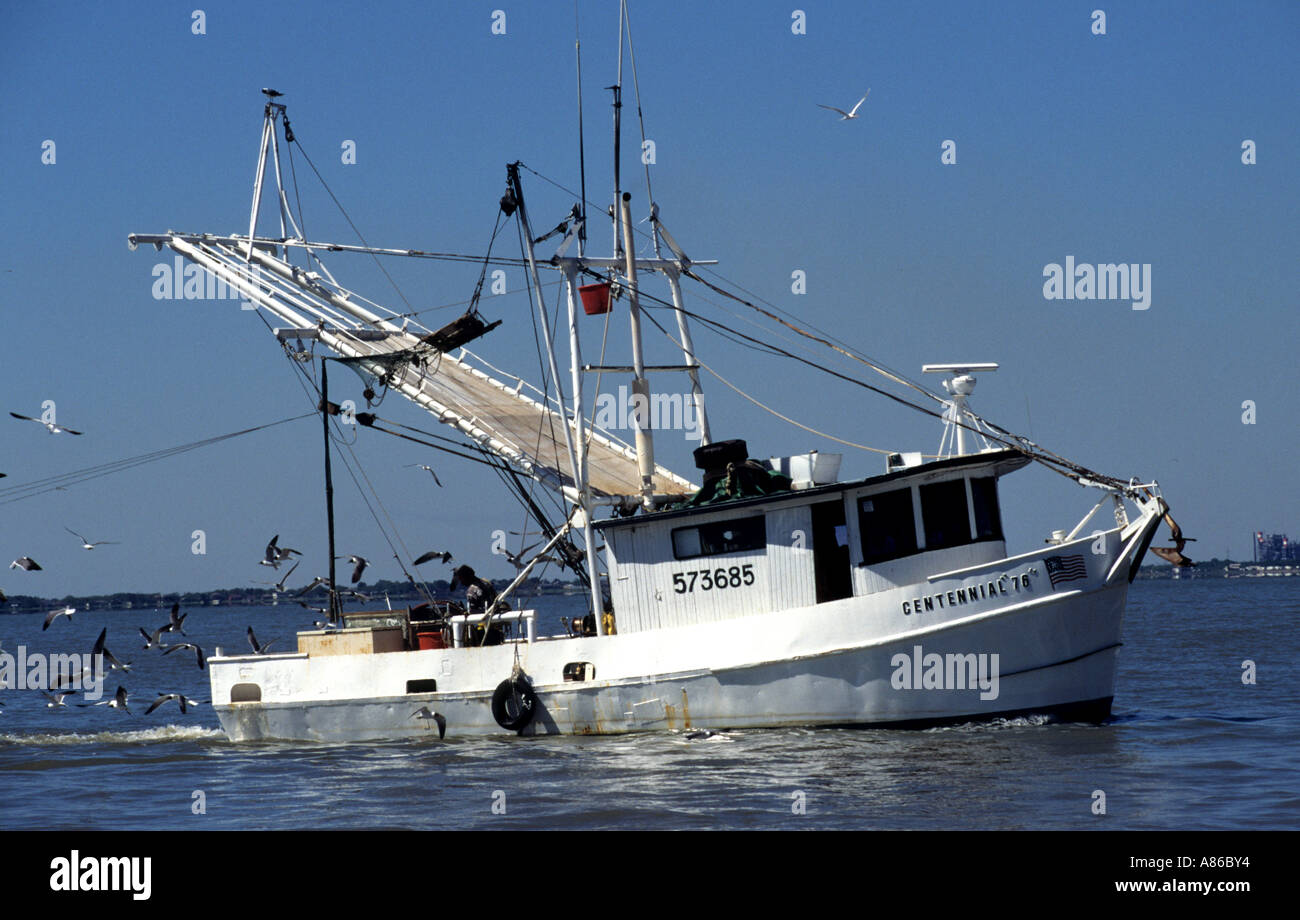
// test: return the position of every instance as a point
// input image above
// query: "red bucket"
(430, 638)
(595, 298)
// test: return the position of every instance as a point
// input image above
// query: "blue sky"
(1123, 147)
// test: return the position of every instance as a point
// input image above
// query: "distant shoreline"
(379, 593)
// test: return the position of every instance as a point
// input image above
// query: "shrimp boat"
(769, 593)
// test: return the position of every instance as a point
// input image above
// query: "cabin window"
(984, 499)
(944, 514)
(422, 686)
(720, 538)
(888, 528)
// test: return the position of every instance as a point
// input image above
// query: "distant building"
(1274, 547)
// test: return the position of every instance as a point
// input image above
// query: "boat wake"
(141, 736)
(1032, 721)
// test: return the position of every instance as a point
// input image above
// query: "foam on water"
(140, 736)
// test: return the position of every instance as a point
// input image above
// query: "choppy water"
(1190, 747)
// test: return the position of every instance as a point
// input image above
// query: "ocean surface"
(1190, 746)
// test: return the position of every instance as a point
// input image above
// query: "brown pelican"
(1174, 554)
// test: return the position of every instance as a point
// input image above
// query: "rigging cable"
(355, 230)
(49, 484)
(636, 89)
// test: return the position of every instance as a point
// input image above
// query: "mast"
(584, 487)
(336, 612)
(577, 456)
(688, 351)
(645, 447)
(582, 149)
(618, 133)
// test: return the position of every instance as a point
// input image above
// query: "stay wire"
(21, 491)
(354, 227)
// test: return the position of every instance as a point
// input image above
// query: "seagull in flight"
(117, 702)
(86, 544)
(55, 614)
(151, 639)
(434, 554)
(517, 559)
(175, 622)
(425, 466)
(50, 426)
(26, 563)
(101, 649)
(184, 701)
(279, 585)
(315, 583)
(258, 648)
(275, 554)
(853, 113)
(56, 699)
(198, 653)
(360, 566)
(427, 715)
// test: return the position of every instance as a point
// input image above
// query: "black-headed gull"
(275, 554)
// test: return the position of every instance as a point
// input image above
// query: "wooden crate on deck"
(357, 641)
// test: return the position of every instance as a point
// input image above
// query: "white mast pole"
(645, 447)
(267, 131)
(584, 488)
(688, 353)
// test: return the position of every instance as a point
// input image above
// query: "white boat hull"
(1055, 654)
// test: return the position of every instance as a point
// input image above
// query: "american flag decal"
(1065, 568)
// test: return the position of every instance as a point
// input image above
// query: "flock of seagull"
(101, 652)
(273, 557)
(152, 640)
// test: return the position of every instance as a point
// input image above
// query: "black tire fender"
(513, 704)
